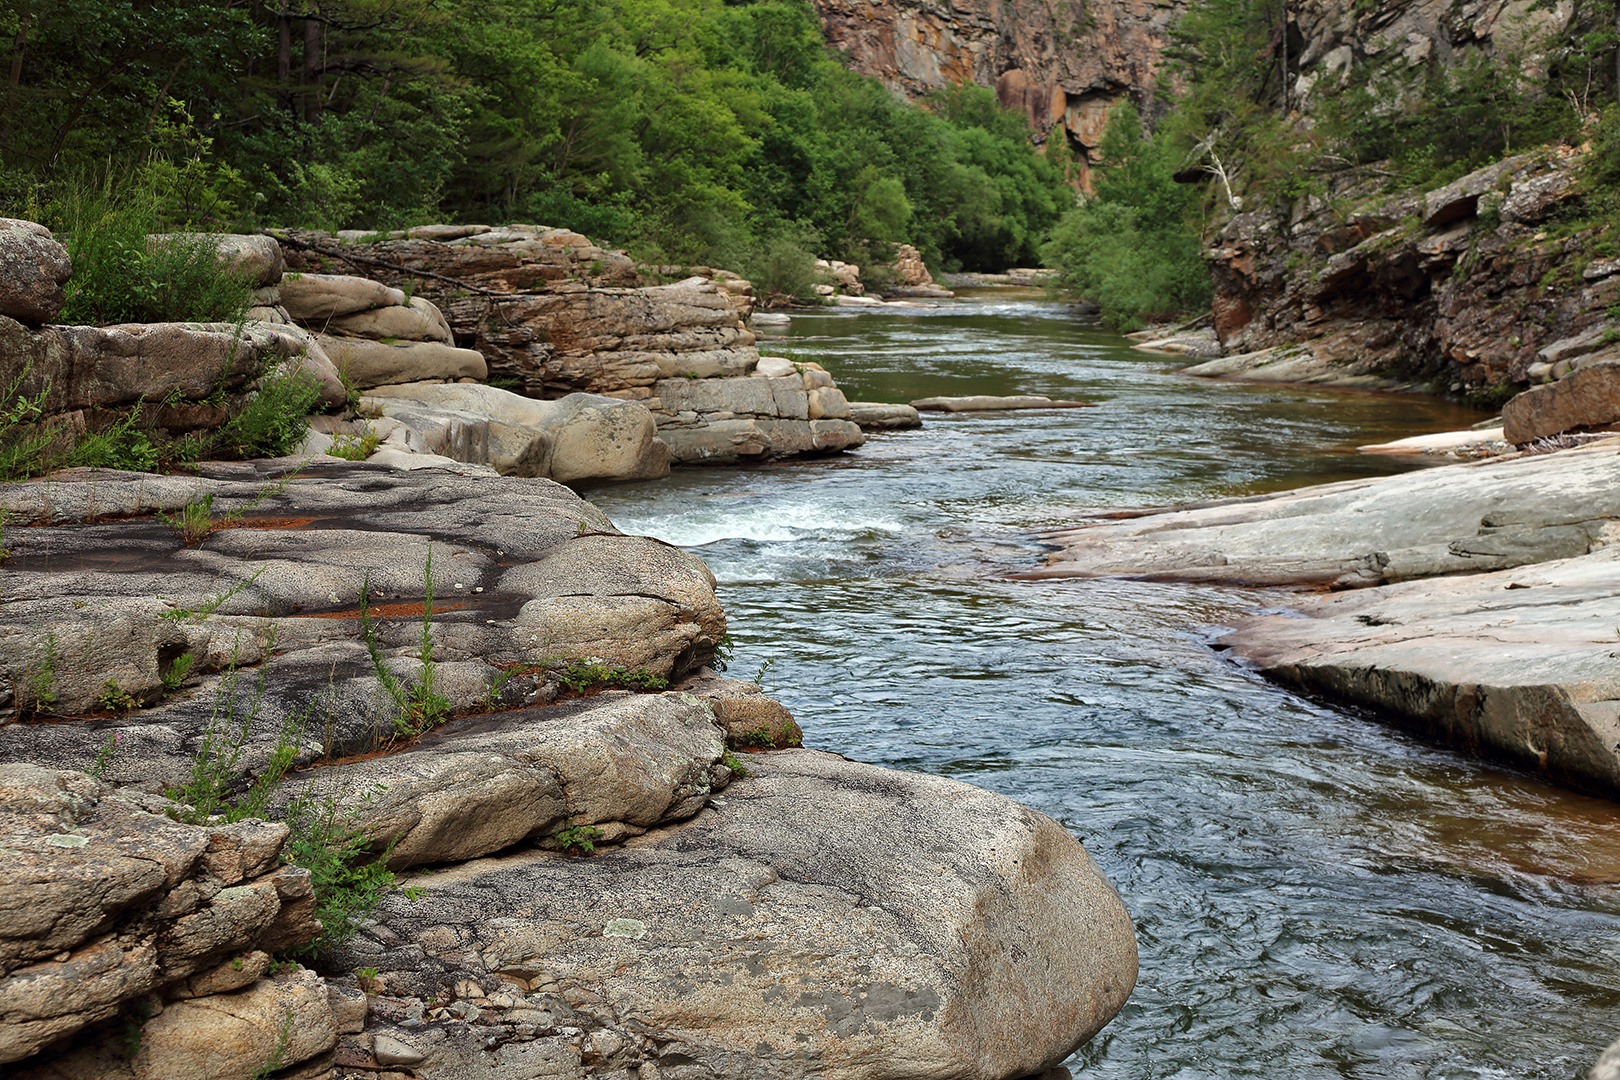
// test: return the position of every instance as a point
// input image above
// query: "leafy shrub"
(274, 420)
(122, 276)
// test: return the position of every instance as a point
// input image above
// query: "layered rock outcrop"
(552, 314)
(819, 916)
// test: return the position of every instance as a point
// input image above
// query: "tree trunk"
(284, 60)
(312, 71)
(22, 43)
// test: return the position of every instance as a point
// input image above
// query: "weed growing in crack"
(578, 839)
(418, 706)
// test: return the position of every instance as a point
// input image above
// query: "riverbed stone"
(911, 926)
(880, 416)
(993, 403)
(419, 320)
(1457, 519)
(1518, 664)
(34, 268)
(751, 719)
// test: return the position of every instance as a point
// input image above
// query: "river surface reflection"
(1316, 894)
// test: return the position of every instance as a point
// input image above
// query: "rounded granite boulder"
(34, 269)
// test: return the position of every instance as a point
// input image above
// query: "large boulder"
(419, 320)
(825, 918)
(378, 363)
(618, 763)
(257, 260)
(580, 438)
(314, 298)
(33, 270)
(1586, 398)
(87, 367)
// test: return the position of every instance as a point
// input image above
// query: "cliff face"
(1062, 62)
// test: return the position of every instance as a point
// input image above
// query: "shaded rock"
(620, 762)
(911, 927)
(418, 321)
(524, 573)
(1587, 398)
(990, 403)
(33, 270)
(1456, 519)
(234, 1036)
(1460, 198)
(102, 902)
(582, 437)
(878, 416)
(377, 363)
(446, 232)
(1516, 664)
(315, 298)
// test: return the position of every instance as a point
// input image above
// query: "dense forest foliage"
(717, 131)
(1241, 135)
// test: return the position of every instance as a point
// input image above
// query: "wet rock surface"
(886, 932)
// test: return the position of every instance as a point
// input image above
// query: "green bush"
(120, 275)
(275, 419)
(1133, 249)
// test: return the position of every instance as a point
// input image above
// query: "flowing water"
(1315, 893)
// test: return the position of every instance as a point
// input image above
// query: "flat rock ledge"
(103, 597)
(824, 918)
(1482, 603)
(1457, 519)
(1521, 665)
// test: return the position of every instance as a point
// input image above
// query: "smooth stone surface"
(618, 761)
(316, 297)
(878, 416)
(1519, 664)
(375, 363)
(34, 269)
(825, 918)
(579, 438)
(1443, 440)
(1464, 518)
(990, 403)
(419, 321)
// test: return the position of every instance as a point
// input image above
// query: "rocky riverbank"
(1476, 602)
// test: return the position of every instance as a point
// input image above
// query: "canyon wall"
(1063, 63)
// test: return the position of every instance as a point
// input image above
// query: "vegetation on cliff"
(1252, 118)
(690, 130)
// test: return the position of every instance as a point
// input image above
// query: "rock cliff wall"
(1064, 63)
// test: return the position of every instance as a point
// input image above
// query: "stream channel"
(1315, 892)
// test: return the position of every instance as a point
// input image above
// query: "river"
(1316, 893)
